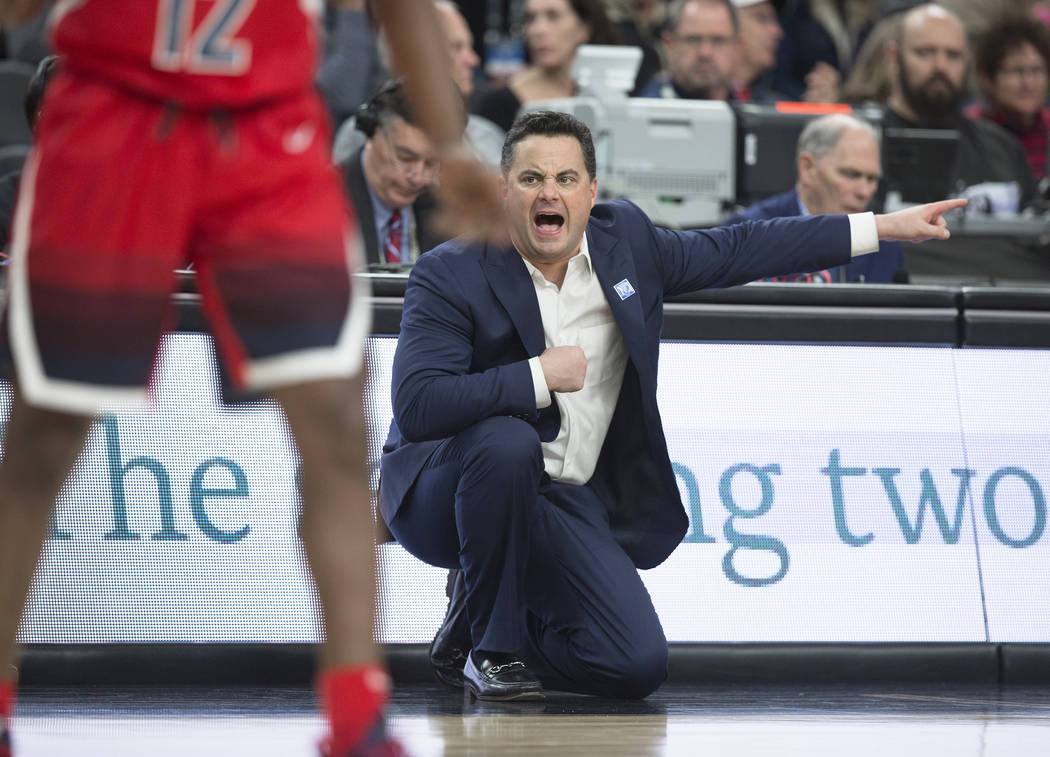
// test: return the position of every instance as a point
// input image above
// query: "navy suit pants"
(545, 580)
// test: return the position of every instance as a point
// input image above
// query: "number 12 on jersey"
(209, 47)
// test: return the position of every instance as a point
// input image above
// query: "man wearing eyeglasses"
(698, 44)
(389, 178)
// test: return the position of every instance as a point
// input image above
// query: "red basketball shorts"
(120, 191)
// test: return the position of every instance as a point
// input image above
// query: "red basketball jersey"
(199, 53)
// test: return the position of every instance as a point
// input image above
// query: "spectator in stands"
(553, 30)
(483, 136)
(460, 45)
(351, 66)
(821, 38)
(838, 168)
(699, 44)
(1012, 61)
(756, 51)
(632, 24)
(871, 79)
(389, 178)
(929, 61)
(9, 182)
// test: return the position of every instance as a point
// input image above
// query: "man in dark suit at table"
(389, 180)
(527, 447)
(838, 170)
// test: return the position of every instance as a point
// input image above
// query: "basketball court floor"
(433, 721)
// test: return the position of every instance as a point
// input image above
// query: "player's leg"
(93, 252)
(273, 259)
(338, 533)
(40, 449)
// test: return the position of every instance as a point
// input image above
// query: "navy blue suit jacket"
(471, 321)
(876, 268)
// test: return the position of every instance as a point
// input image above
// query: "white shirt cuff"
(539, 384)
(863, 234)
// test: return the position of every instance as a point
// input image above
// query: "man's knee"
(642, 673)
(629, 663)
(504, 447)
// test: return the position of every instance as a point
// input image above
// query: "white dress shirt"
(578, 314)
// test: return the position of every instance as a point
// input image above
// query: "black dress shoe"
(451, 645)
(499, 679)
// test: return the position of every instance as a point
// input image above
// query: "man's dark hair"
(390, 101)
(548, 123)
(35, 89)
(1004, 37)
(592, 13)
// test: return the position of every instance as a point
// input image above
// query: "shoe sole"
(527, 696)
(448, 678)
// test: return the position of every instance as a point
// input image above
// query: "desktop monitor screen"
(917, 163)
(767, 136)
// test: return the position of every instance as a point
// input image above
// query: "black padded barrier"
(1006, 317)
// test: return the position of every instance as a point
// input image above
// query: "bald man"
(460, 45)
(929, 61)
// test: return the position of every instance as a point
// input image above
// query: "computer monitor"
(606, 71)
(917, 164)
(767, 136)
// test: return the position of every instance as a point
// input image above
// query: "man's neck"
(806, 200)
(716, 93)
(553, 272)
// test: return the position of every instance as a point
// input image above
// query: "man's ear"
(807, 163)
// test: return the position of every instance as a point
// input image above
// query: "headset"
(368, 115)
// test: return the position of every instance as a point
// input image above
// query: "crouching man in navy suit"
(527, 448)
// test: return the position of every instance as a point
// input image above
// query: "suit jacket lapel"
(513, 287)
(354, 178)
(614, 266)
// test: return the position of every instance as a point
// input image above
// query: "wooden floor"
(434, 721)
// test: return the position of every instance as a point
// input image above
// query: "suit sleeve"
(435, 394)
(749, 250)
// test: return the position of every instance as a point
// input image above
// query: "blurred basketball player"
(186, 131)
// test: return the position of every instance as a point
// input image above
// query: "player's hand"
(16, 12)
(564, 368)
(917, 224)
(469, 198)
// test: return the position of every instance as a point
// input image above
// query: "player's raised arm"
(468, 192)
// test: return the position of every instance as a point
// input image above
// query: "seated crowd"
(964, 65)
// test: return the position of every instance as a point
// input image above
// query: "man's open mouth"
(548, 223)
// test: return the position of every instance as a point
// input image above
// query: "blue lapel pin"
(624, 289)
